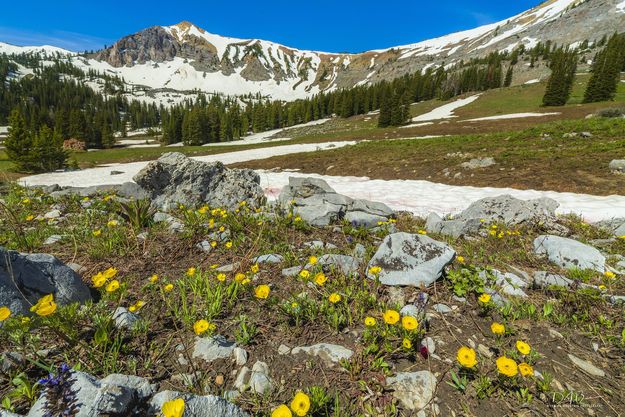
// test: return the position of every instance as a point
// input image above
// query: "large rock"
(569, 253)
(315, 202)
(615, 226)
(411, 259)
(413, 389)
(346, 264)
(196, 406)
(176, 179)
(120, 395)
(617, 166)
(326, 351)
(501, 209)
(127, 190)
(25, 278)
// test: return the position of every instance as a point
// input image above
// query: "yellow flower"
(110, 273)
(200, 326)
(245, 281)
(262, 291)
(484, 298)
(239, 277)
(254, 269)
(492, 232)
(98, 280)
(112, 286)
(174, 408)
(304, 273)
(213, 244)
(221, 277)
(140, 303)
(228, 245)
(409, 322)
(406, 343)
(370, 321)
(523, 347)
(507, 366)
(300, 404)
(153, 278)
(375, 270)
(30, 217)
(460, 259)
(132, 308)
(312, 260)
(497, 328)
(526, 369)
(603, 287)
(609, 274)
(168, 287)
(320, 279)
(96, 233)
(5, 313)
(391, 316)
(222, 228)
(26, 201)
(298, 219)
(191, 272)
(45, 306)
(466, 357)
(112, 223)
(334, 298)
(622, 237)
(281, 411)
(422, 232)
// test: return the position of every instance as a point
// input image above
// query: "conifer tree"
(606, 71)
(563, 66)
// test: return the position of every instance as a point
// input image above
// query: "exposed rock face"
(319, 205)
(411, 260)
(502, 209)
(615, 226)
(25, 278)
(569, 253)
(175, 178)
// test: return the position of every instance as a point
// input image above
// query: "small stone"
(269, 259)
(229, 268)
(586, 366)
(52, 214)
(413, 389)
(429, 344)
(240, 356)
(441, 308)
(484, 351)
(326, 351)
(212, 348)
(409, 310)
(219, 380)
(124, 319)
(283, 350)
(204, 246)
(291, 272)
(53, 239)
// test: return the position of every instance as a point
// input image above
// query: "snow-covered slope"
(7, 48)
(165, 62)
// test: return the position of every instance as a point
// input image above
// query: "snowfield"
(416, 196)
(445, 111)
(512, 116)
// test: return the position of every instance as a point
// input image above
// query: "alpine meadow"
(203, 225)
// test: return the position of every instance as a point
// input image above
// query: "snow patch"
(621, 7)
(445, 111)
(534, 81)
(513, 116)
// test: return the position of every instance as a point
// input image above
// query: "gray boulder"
(113, 395)
(25, 278)
(127, 190)
(411, 259)
(478, 163)
(213, 348)
(617, 166)
(196, 406)
(544, 279)
(502, 209)
(319, 205)
(176, 179)
(509, 283)
(615, 226)
(568, 253)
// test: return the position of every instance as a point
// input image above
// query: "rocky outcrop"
(25, 278)
(501, 209)
(410, 260)
(315, 202)
(176, 179)
(617, 166)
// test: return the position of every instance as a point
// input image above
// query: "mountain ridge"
(185, 57)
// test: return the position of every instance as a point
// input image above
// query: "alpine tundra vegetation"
(194, 225)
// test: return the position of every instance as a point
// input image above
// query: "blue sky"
(331, 26)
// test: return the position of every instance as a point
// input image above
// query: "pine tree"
(508, 81)
(19, 142)
(563, 66)
(606, 71)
